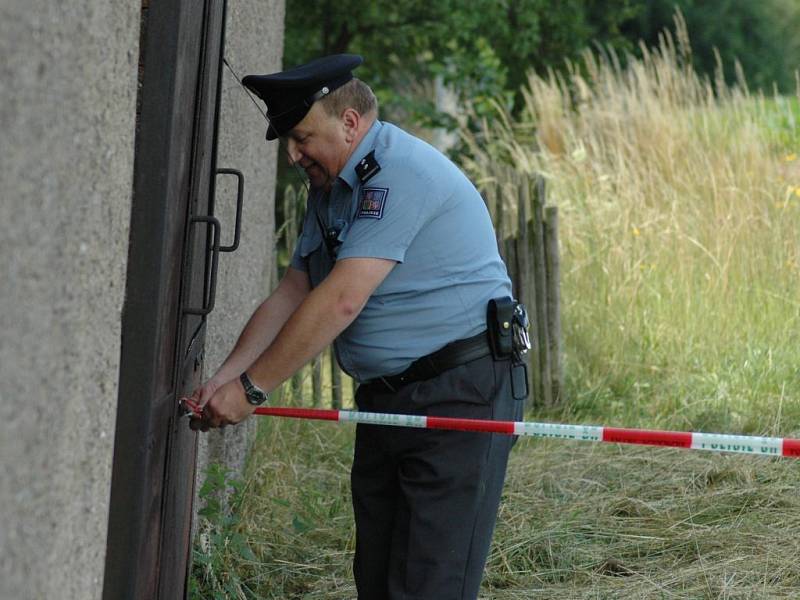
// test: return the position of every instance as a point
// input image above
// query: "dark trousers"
(425, 501)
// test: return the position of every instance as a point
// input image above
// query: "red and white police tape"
(714, 442)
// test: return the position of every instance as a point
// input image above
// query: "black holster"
(499, 317)
(505, 319)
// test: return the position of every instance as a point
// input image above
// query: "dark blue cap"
(290, 94)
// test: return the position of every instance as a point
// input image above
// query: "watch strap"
(254, 394)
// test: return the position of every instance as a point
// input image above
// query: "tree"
(481, 48)
(761, 35)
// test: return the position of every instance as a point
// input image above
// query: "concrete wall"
(254, 44)
(67, 99)
(67, 103)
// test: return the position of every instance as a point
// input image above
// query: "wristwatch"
(254, 394)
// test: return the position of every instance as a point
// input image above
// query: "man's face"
(319, 144)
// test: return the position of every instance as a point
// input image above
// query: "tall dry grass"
(680, 232)
(576, 521)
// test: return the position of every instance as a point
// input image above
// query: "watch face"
(253, 394)
(256, 396)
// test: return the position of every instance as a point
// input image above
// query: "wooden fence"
(527, 236)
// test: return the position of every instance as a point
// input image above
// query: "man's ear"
(351, 119)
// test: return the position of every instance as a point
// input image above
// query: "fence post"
(553, 267)
(524, 263)
(287, 234)
(499, 219)
(523, 240)
(336, 382)
(511, 258)
(540, 291)
(316, 380)
(296, 387)
(291, 218)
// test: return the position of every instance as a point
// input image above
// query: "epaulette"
(367, 167)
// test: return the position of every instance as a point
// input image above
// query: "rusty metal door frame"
(173, 252)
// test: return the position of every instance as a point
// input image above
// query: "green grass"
(578, 520)
(605, 522)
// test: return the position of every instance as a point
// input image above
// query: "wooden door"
(174, 247)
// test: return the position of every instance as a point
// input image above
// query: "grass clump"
(220, 538)
(629, 522)
(577, 520)
(295, 519)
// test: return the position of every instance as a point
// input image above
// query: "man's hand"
(226, 405)
(202, 395)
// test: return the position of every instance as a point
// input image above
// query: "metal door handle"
(237, 231)
(210, 294)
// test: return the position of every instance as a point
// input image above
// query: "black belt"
(452, 355)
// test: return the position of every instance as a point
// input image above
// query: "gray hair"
(354, 94)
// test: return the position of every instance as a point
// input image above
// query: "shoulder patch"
(372, 203)
(367, 167)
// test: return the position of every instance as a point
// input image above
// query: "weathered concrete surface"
(253, 44)
(67, 99)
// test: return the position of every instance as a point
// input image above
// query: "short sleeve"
(391, 208)
(298, 260)
(309, 239)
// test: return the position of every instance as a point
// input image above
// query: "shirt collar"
(348, 174)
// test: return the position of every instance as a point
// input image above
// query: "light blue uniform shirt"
(421, 211)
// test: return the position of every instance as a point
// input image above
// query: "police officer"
(396, 264)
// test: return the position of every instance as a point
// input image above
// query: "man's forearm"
(321, 315)
(312, 327)
(324, 314)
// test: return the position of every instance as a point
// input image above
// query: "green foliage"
(761, 35)
(297, 512)
(220, 545)
(482, 49)
(485, 48)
